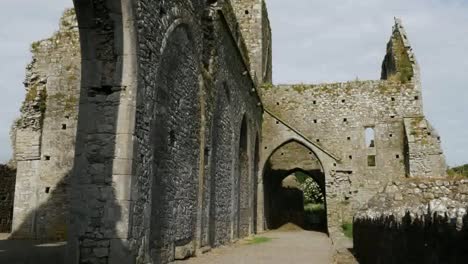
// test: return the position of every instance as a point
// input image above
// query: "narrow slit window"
(370, 137)
(371, 161)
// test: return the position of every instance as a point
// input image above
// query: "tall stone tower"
(252, 16)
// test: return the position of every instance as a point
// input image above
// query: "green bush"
(312, 192)
(347, 229)
(459, 171)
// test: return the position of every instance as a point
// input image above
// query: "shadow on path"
(31, 252)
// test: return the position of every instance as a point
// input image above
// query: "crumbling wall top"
(400, 62)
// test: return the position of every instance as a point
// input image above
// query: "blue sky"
(314, 42)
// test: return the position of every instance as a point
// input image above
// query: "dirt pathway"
(285, 247)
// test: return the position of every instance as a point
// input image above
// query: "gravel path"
(286, 247)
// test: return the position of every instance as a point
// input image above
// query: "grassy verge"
(258, 240)
(347, 229)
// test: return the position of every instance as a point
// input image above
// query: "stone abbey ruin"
(151, 132)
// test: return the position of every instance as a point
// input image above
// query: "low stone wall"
(7, 193)
(414, 222)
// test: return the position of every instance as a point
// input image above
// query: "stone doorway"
(294, 189)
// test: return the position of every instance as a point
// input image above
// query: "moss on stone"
(403, 63)
(69, 102)
(300, 88)
(31, 93)
(35, 46)
(266, 86)
(43, 101)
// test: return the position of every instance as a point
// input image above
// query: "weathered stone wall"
(254, 23)
(424, 152)
(45, 135)
(417, 221)
(335, 118)
(163, 165)
(363, 132)
(209, 212)
(7, 192)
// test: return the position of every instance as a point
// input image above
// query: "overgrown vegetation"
(266, 86)
(312, 191)
(314, 208)
(458, 171)
(404, 65)
(347, 229)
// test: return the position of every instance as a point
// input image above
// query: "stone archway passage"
(283, 197)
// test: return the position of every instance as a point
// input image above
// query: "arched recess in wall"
(176, 133)
(255, 184)
(242, 182)
(288, 158)
(219, 230)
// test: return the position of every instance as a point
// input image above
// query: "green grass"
(258, 240)
(311, 208)
(347, 229)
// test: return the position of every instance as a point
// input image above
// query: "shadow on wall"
(38, 251)
(91, 217)
(424, 239)
(42, 251)
(7, 194)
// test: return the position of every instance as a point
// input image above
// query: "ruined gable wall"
(335, 116)
(318, 112)
(45, 134)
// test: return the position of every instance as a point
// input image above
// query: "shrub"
(347, 229)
